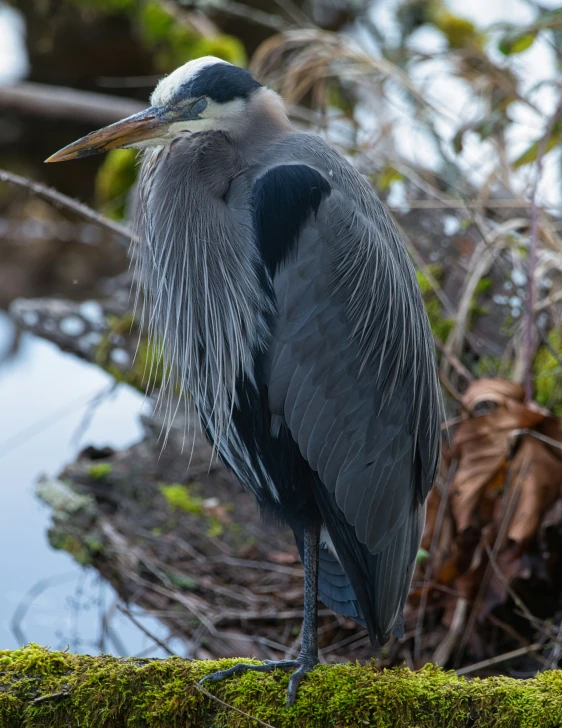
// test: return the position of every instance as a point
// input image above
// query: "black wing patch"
(283, 200)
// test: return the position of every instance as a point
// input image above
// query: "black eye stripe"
(221, 82)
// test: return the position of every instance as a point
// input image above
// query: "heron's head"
(207, 94)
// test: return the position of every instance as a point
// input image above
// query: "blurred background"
(110, 541)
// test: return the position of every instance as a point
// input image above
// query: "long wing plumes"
(352, 372)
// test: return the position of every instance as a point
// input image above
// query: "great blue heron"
(291, 315)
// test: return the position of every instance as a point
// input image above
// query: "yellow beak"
(125, 133)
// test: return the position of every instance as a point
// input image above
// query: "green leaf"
(531, 153)
(516, 43)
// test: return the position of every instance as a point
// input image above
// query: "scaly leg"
(308, 656)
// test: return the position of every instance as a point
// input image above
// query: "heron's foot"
(303, 664)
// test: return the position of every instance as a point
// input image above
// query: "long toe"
(303, 667)
(296, 677)
(268, 666)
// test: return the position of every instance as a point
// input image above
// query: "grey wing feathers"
(352, 374)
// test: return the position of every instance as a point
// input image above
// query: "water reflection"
(44, 395)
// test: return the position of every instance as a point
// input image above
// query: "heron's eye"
(198, 107)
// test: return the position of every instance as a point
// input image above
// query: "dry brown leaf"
(494, 390)
(504, 494)
(537, 475)
(483, 446)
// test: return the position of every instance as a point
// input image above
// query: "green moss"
(106, 692)
(179, 498)
(547, 370)
(72, 544)
(100, 470)
(215, 528)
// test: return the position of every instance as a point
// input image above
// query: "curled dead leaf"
(536, 474)
(494, 390)
(482, 445)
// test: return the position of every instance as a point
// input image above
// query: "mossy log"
(42, 688)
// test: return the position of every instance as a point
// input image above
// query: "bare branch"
(60, 200)
(145, 631)
(520, 652)
(59, 102)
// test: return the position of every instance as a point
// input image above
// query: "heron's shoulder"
(299, 148)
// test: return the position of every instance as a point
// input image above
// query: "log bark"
(42, 688)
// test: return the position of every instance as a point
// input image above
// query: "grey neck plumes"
(196, 261)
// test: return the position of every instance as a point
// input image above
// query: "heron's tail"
(377, 584)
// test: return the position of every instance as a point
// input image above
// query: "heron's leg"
(308, 656)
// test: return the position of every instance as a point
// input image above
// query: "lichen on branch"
(39, 688)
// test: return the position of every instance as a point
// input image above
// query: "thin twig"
(538, 436)
(60, 200)
(452, 204)
(252, 15)
(511, 491)
(145, 631)
(444, 649)
(434, 541)
(519, 652)
(52, 696)
(231, 707)
(524, 609)
(261, 565)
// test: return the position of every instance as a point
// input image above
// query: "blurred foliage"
(108, 6)
(114, 179)
(440, 324)
(99, 471)
(531, 153)
(459, 32)
(174, 44)
(179, 498)
(171, 41)
(547, 369)
(384, 179)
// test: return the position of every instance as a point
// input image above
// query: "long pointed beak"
(125, 133)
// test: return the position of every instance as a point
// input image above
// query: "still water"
(44, 397)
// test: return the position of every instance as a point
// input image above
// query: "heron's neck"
(265, 121)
